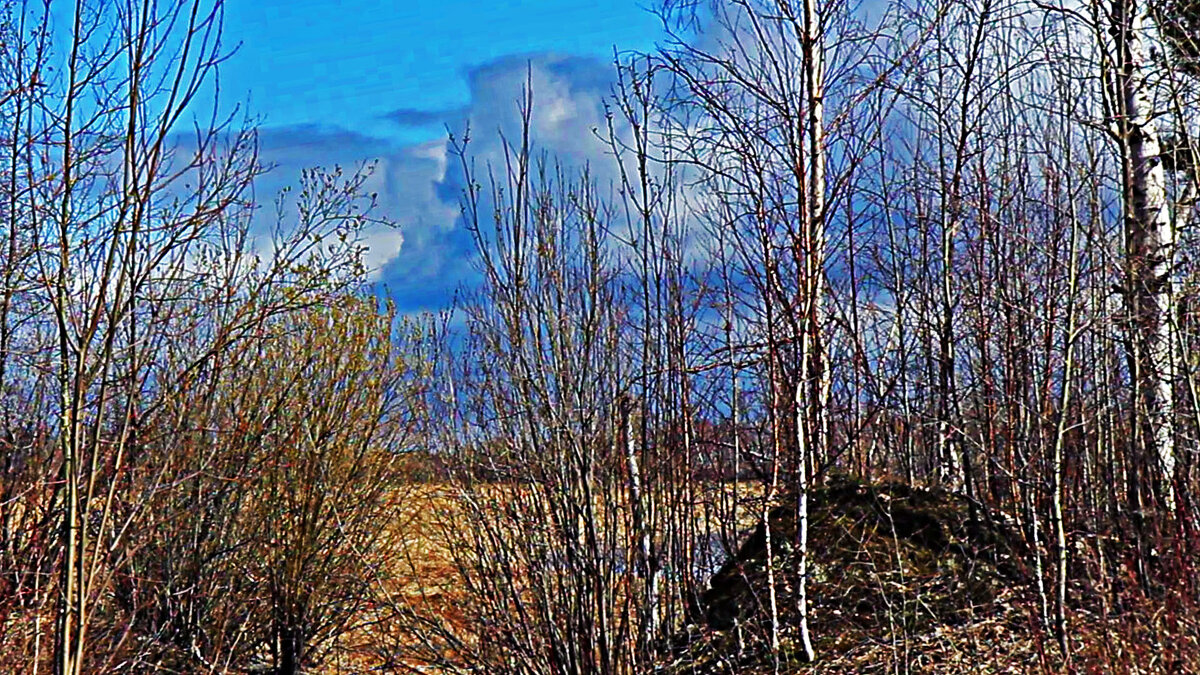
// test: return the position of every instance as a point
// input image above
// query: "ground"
(906, 580)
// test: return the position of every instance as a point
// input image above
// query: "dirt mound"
(891, 567)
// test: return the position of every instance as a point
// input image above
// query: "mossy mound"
(890, 567)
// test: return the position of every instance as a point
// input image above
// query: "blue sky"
(344, 82)
(352, 62)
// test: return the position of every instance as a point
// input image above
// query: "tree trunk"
(648, 565)
(814, 373)
(1150, 239)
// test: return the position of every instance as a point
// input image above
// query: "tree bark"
(815, 375)
(1150, 240)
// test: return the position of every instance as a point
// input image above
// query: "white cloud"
(418, 186)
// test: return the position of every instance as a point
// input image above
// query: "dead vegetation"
(939, 242)
(912, 580)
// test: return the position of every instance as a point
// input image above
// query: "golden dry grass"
(423, 576)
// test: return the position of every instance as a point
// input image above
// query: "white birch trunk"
(815, 376)
(1150, 240)
(649, 567)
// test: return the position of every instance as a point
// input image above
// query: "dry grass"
(1160, 635)
(423, 578)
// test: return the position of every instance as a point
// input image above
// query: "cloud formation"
(412, 117)
(419, 186)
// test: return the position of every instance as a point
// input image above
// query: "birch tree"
(1125, 32)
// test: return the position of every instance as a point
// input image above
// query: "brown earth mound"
(894, 572)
